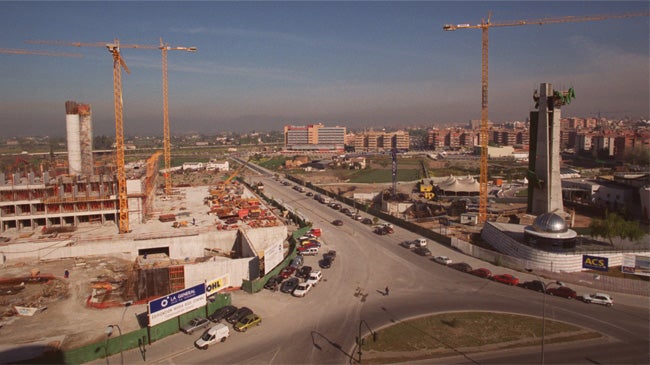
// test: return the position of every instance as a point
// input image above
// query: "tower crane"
(484, 26)
(164, 48)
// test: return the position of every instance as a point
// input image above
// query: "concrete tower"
(86, 139)
(544, 185)
(74, 144)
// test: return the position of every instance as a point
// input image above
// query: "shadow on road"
(314, 340)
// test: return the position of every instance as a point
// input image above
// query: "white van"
(312, 251)
(420, 242)
(217, 333)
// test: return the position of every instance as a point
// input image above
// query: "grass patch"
(449, 331)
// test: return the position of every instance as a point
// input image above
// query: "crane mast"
(484, 26)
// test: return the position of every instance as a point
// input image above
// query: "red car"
(287, 271)
(482, 273)
(562, 291)
(506, 279)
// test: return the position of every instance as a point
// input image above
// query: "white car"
(301, 290)
(598, 298)
(217, 333)
(444, 260)
(314, 277)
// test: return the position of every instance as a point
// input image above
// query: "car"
(461, 266)
(422, 251)
(331, 254)
(216, 333)
(535, 285)
(304, 272)
(289, 285)
(444, 260)
(325, 262)
(301, 290)
(310, 251)
(506, 279)
(311, 243)
(308, 246)
(562, 291)
(287, 271)
(408, 244)
(345, 211)
(337, 222)
(482, 273)
(247, 322)
(380, 231)
(336, 206)
(309, 193)
(241, 313)
(195, 324)
(367, 221)
(297, 262)
(273, 282)
(356, 217)
(598, 298)
(314, 278)
(222, 313)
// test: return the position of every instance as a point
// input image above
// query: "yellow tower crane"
(164, 48)
(484, 27)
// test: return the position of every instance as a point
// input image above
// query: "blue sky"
(262, 65)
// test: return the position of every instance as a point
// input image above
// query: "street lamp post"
(544, 285)
(360, 340)
(109, 332)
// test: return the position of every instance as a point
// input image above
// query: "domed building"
(549, 231)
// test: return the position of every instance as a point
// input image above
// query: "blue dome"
(550, 223)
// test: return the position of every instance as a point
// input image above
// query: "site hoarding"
(595, 263)
(215, 285)
(175, 304)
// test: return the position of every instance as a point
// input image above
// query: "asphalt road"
(322, 327)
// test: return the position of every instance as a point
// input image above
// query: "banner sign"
(212, 287)
(177, 303)
(595, 263)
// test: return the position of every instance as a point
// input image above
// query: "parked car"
(346, 211)
(331, 254)
(422, 251)
(297, 261)
(533, 285)
(598, 298)
(247, 322)
(562, 291)
(273, 282)
(461, 266)
(309, 193)
(444, 260)
(222, 313)
(482, 273)
(337, 222)
(241, 313)
(303, 272)
(195, 324)
(381, 231)
(311, 251)
(367, 221)
(314, 278)
(289, 285)
(287, 272)
(216, 333)
(506, 279)
(301, 290)
(308, 245)
(356, 217)
(325, 262)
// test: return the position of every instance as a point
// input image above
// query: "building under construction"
(82, 193)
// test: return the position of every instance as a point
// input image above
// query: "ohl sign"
(595, 263)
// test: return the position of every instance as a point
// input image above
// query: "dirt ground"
(63, 321)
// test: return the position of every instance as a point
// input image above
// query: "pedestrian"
(386, 290)
(193, 222)
(66, 274)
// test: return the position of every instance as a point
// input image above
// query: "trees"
(614, 226)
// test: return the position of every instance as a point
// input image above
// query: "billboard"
(213, 286)
(635, 264)
(273, 255)
(175, 304)
(595, 263)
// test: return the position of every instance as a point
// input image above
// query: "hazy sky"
(262, 65)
